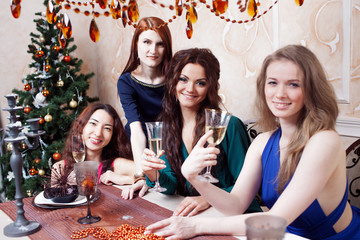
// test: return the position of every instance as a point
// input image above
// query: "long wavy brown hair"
(118, 146)
(171, 114)
(159, 26)
(320, 107)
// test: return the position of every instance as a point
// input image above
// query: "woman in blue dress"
(299, 162)
(141, 84)
(192, 84)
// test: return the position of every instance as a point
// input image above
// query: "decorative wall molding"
(348, 127)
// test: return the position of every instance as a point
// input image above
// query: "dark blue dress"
(312, 223)
(140, 101)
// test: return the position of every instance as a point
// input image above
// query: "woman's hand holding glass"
(152, 163)
(199, 158)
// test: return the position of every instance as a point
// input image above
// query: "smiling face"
(192, 86)
(284, 90)
(98, 131)
(151, 48)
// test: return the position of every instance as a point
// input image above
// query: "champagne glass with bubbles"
(154, 130)
(78, 148)
(217, 121)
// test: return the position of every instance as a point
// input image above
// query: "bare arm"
(123, 173)
(138, 144)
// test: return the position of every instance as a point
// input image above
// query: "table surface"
(59, 223)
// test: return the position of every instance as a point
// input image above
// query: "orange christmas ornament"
(56, 156)
(41, 120)
(67, 58)
(27, 87)
(37, 160)
(39, 53)
(27, 109)
(33, 171)
(45, 92)
(66, 27)
(55, 48)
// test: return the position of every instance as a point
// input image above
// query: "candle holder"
(21, 226)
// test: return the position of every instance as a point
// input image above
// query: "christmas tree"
(54, 91)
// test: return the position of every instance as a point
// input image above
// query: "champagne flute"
(78, 148)
(86, 180)
(217, 121)
(154, 130)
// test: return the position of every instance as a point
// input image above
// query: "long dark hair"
(159, 26)
(171, 114)
(118, 146)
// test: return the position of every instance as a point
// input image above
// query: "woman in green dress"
(192, 84)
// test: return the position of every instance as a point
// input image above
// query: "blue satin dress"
(312, 223)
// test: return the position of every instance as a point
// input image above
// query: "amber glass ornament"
(41, 120)
(15, 8)
(57, 2)
(48, 118)
(27, 109)
(115, 9)
(133, 11)
(67, 58)
(50, 13)
(66, 26)
(27, 87)
(39, 53)
(62, 40)
(220, 6)
(56, 156)
(191, 15)
(56, 48)
(73, 103)
(189, 30)
(102, 3)
(252, 8)
(33, 171)
(178, 7)
(299, 2)
(41, 172)
(124, 16)
(94, 31)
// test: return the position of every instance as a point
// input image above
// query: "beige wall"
(325, 26)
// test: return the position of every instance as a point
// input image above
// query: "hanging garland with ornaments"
(54, 91)
(128, 11)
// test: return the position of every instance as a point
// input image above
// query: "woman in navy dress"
(141, 84)
(299, 162)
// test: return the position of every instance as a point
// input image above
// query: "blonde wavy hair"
(320, 107)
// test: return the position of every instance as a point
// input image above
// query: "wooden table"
(114, 211)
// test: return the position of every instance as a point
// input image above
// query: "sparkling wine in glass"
(217, 121)
(154, 130)
(86, 180)
(78, 148)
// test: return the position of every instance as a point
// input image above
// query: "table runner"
(114, 211)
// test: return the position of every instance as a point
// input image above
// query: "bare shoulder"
(259, 143)
(328, 138)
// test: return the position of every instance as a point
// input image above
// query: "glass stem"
(208, 170)
(88, 205)
(157, 178)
